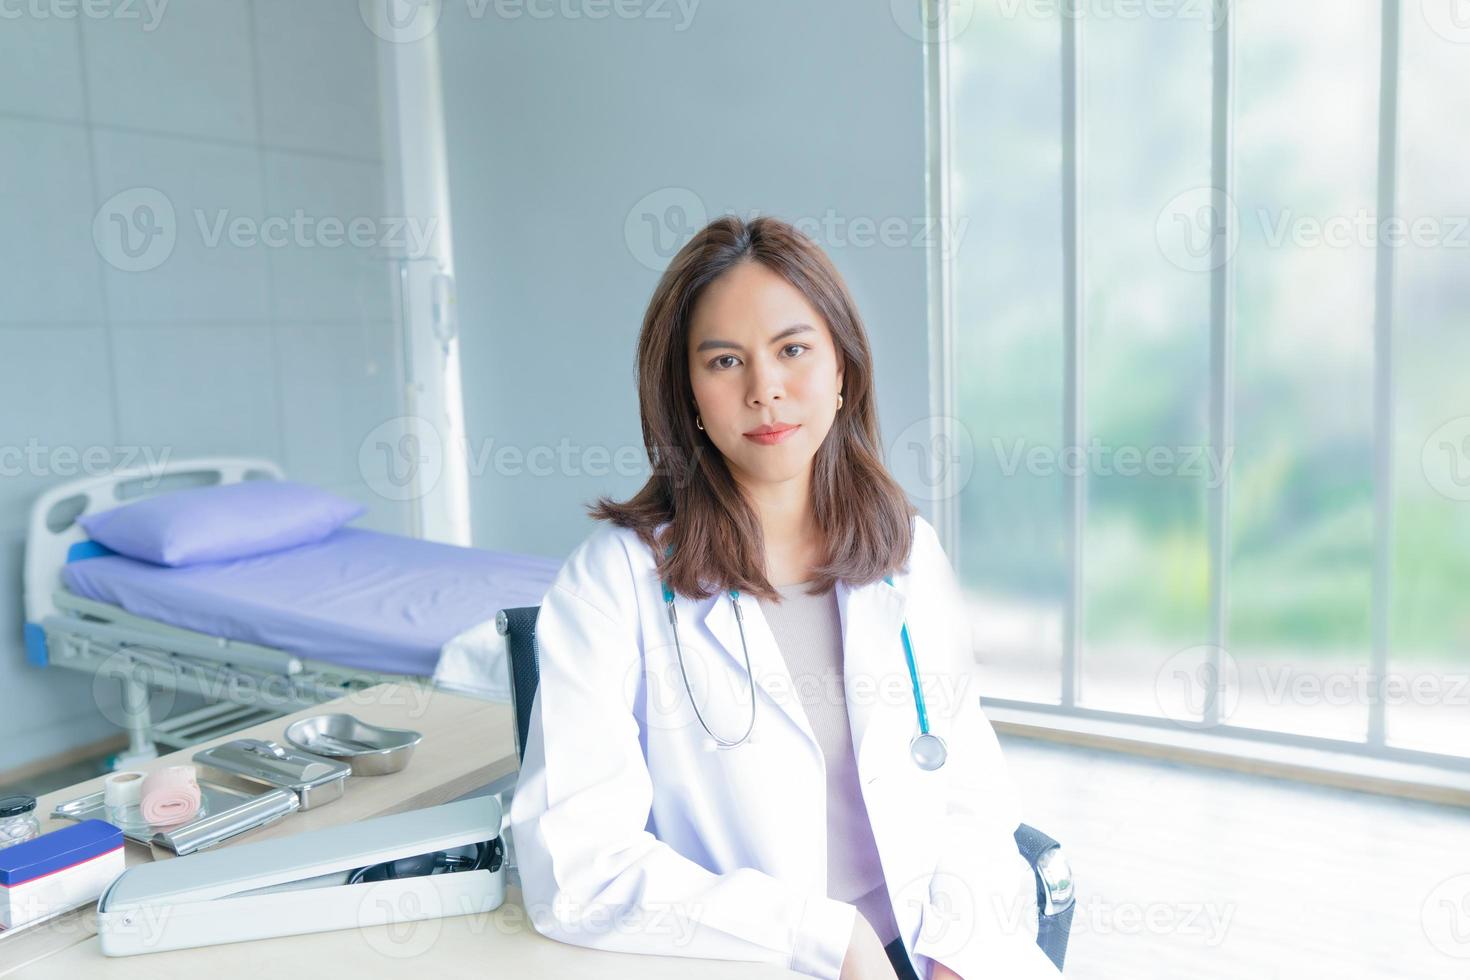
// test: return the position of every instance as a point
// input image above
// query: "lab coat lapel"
(872, 651)
(772, 676)
(871, 616)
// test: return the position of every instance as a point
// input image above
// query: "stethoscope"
(928, 750)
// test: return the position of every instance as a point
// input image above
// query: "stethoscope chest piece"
(928, 751)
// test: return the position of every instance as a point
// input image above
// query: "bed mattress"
(357, 598)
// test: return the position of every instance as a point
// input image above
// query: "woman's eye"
(718, 363)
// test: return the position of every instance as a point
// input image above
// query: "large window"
(1211, 322)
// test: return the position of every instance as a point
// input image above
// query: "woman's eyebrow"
(705, 345)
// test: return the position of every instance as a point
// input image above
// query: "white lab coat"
(634, 833)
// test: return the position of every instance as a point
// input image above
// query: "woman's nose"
(766, 385)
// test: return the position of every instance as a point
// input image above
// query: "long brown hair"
(863, 514)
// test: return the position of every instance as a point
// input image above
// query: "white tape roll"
(123, 789)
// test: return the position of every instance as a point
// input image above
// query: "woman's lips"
(771, 438)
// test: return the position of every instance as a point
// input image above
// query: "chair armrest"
(1054, 891)
(1055, 895)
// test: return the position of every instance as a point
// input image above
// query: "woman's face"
(761, 355)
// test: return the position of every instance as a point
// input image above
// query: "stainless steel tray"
(260, 763)
(370, 750)
(223, 813)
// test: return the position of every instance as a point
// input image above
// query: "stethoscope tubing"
(931, 758)
(908, 654)
(749, 674)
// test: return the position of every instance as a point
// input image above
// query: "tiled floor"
(1189, 873)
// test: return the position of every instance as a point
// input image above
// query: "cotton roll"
(170, 795)
(123, 788)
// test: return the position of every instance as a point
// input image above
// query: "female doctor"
(728, 754)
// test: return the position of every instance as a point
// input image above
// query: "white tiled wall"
(199, 282)
(310, 282)
(332, 376)
(190, 75)
(49, 269)
(302, 107)
(250, 108)
(41, 72)
(74, 409)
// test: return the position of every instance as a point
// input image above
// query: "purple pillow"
(233, 520)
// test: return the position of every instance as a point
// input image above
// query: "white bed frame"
(245, 683)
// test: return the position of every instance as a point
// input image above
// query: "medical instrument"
(258, 762)
(313, 881)
(487, 855)
(121, 790)
(927, 749)
(679, 650)
(58, 871)
(224, 813)
(370, 750)
(18, 819)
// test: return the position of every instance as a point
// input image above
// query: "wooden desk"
(467, 744)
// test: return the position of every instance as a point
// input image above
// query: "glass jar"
(18, 819)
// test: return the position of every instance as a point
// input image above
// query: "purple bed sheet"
(357, 598)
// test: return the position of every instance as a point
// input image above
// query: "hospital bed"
(262, 636)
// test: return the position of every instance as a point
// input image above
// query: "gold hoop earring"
(697, 423)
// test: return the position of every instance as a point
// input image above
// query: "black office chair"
(1054, 892)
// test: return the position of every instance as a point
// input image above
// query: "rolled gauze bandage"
(170, 795)
(123, 789)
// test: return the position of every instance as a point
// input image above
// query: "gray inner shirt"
(808, 631)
